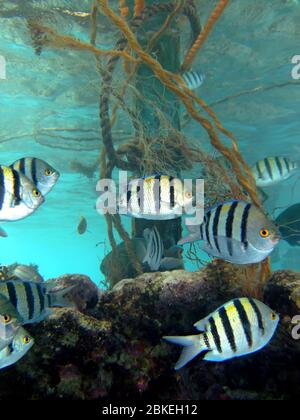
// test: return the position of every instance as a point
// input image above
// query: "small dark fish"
(289, 225)
(82, 226)
(3, 234)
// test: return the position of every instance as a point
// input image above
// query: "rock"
(283, 291)
(85, 293)
(114, 350)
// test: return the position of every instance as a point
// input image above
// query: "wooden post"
(167, 52)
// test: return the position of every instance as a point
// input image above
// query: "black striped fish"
(43, 175)
(272, 170)
(238, 328)
(237, 232)
(10, 322)
(193, 79)
(33, 301)
(20, 345)
(19, 197)
(155, 198)
(155, 249)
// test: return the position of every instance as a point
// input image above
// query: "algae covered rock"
(114, 350)
(84, 294)
(283, 292)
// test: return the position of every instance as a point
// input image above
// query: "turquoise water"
(247, 63)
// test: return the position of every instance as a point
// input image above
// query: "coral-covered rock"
(84, 294)
(115, 350)
(283, 292)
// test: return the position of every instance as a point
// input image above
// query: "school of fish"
(25, 299)
(235, 231)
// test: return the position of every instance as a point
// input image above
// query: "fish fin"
(211, 356)
(174, 251)
(192, 348)
(58, 299)
(3, 233)
(194, 234)
(201, 325)
(188, 239)
(170, 264)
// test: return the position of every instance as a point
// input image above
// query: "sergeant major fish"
(43, 175)
(155, 253)
(193, 79)
(272, 170)
(238, 328)
(19, 197)
(20, 345)
(33, 300)
(155, 198)
(237, 232)
(10, 322)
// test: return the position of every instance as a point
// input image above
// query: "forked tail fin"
(193, 346)
(59, 299)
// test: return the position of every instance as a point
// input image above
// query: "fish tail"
(195, 234)
(59, 299)
(193, 346)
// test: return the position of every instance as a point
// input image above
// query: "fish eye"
(264, 233)
(26, 339)
(273, 316)
(6, 318)
(48, 172)
(188, 194)
(36, 192)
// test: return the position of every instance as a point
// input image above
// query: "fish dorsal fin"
(202, 324)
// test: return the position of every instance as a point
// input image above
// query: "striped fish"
(33, 300)
(43, 175)
(193, 79)
(21, 344)
(9, 322)
(155, 249)
(238, 328)
(155, 198)
(235, 231)
(272, 170)
(19, 197)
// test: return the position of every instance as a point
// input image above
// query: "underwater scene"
(149, 200)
